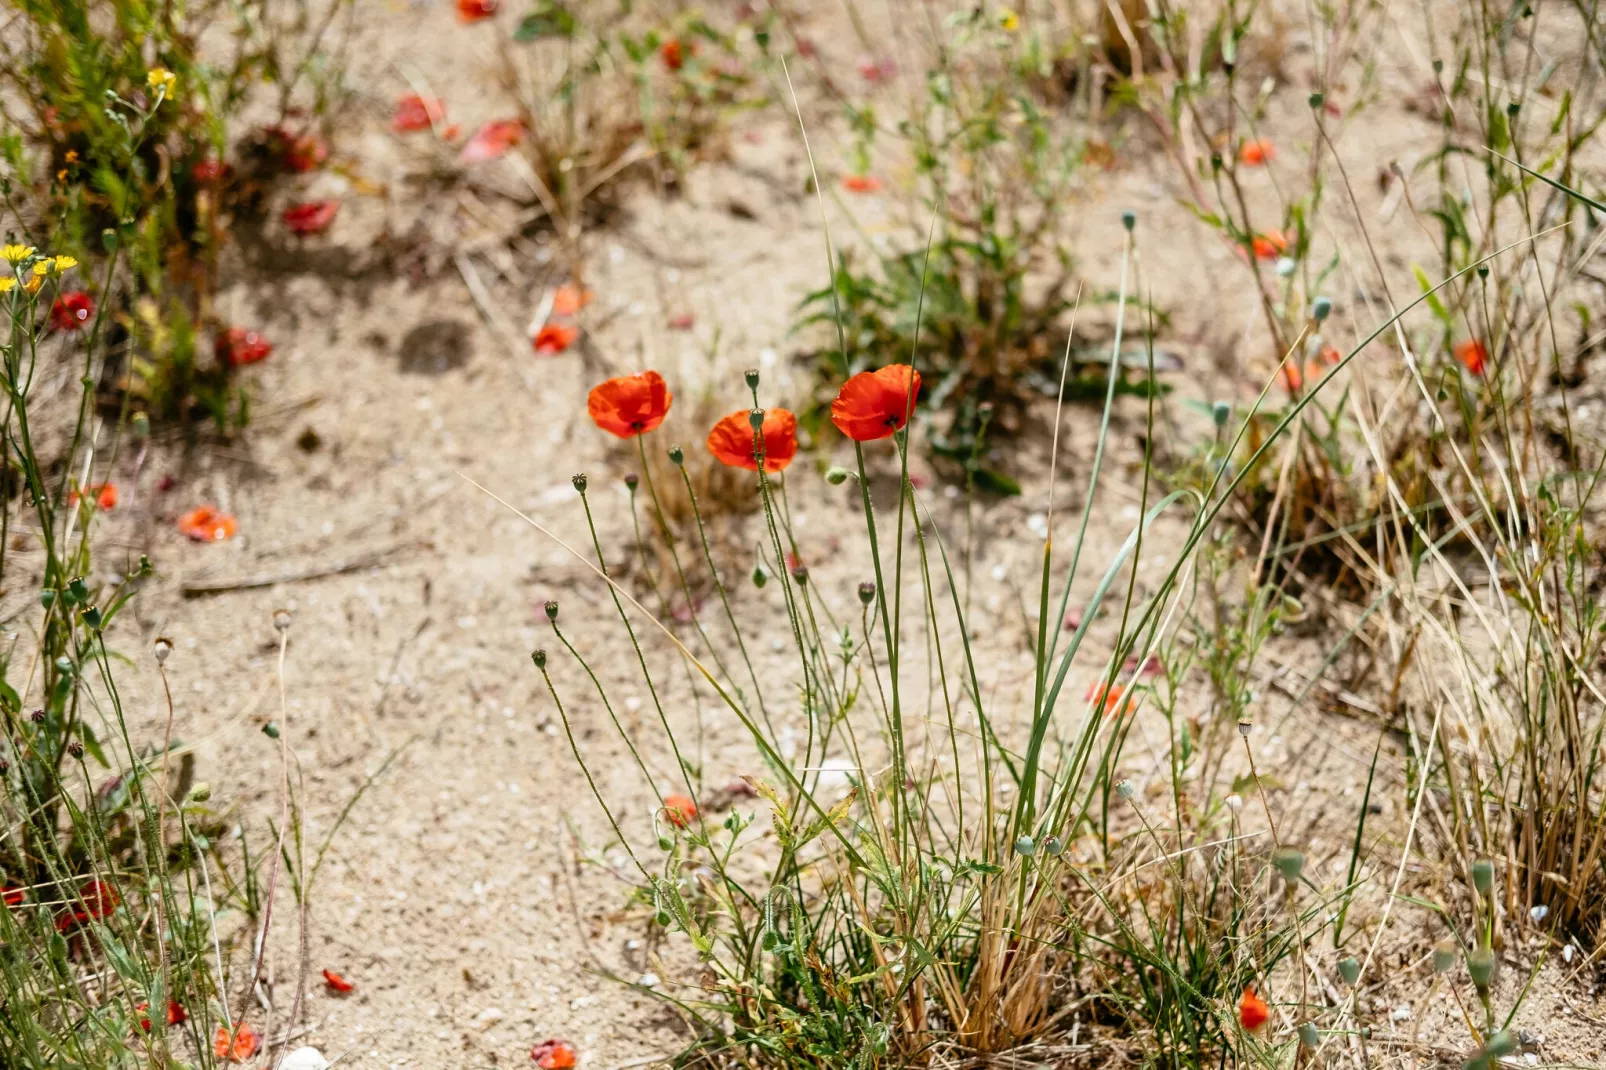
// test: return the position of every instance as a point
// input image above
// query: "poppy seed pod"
(755, 420)
(37, 716)
(1289, 862)
(162, 648)
(1349, 969)
(1125, 790)
(579, 481)
(866, 592)
(1244, 726)
(632, 481)
(801, 574)
(677, 456)
(1480, 967)
(1321, 308)
(836, 475)
(281, 620)
(1026, 846)
(1483, 876)
(1443, 956)
(271, 730)
(1221, 412)
(551, 608)
(76, 749)
(1308, 1035)
(750, 376)
(1129, 219)
(539, 657)
(1053, 846)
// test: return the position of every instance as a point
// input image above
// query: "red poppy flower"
(630, 405)
(1252, 1010)
(554, 338)
(1257, 152)
(205, 524)
(236, 1047)
(861, 183)
(876, 71)
(71, 311)
(1270, 245)
(96, 899)
(731, 440)
(682, 322)
(554, 1055)
(679, 810)
(1110, 700)
(237, 346)
(310, 217)
(176, 1015)
(475, 10)
(414, 113)
(210, 170)
(569, 299)
(672, 54)
(1293, 377)
(12, 896)
(876, 404)
(1329, 354)
(336, 982)
(492, 140)
(105, 496)
(305, 153)
(1473, 356)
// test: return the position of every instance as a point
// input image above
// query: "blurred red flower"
(554, 338)
(310, 217)
(71, 311)
(1473, 356)
(1256, 152)
(336, 982)
(679, 810)
(630, 405)
(237, 346)
(1270, 245)
(569, 299)
(236, 1047)
(492, 140)
(861, 183)
(96, 899)
(1252, 1010)
(554, 1055)
(731, 440)
(414, 113)
(105, 496)
(672, 54)
(205, 524)
(475, 10)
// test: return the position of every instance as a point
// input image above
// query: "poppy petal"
(630, 405)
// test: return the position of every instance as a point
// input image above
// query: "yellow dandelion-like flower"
(1008, 20)
(16, 254)
(42, 267)
(33, 284)
(7, 284)
(65, 264)
(162, 80)
(72, 155)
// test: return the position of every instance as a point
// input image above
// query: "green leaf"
(548, 20)
(996, 483)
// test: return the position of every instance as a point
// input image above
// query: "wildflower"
(874, 405)
(70, 311)
(237, 346)
(162, 80)
(1257, 152)
(15, 254)
(1008, 20)
(7, 284)
(1270, 245)
(210, 170)
(569, 299)
(679, 810)
(876, 71)
(672, 54)
(731, 440)
(65, 264)
(554, 1055)
(337, 983)
(12, 896)
(96, 900)
(1109, 700)
(554, 338)
(305, 153)
(491, 141)
(176, 1014)
(1252, 1010)
(41, 268)
(34, 283)
(414, 113)
(861, 183)
(310, 217)
(236, 1047)
(475, 10)
(205, 524)
(1473, 356)
(105, 496)
(681, 322)
(630, 405)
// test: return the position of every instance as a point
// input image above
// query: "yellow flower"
(162, 80)
(65, 264)
(72, 155)
(33, 284)
(1008, 20)
(42, 267)
(16, 254)
(7, 284)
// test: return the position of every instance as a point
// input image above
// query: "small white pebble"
(648, 980)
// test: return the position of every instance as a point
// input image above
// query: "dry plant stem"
(284, 821)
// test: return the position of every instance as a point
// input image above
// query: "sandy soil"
(455, 896)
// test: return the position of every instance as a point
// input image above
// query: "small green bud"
(836, 475)
(772, 939)
(1125, 790)
(866, 593)
(1349, 968)
(78, 591)
(1481, 967)
(64, 665)
(1443, 956)
(1321, 308)
(199, 793)
(632, 481)
(1129, 220)
(755, 420)
(665, 843)
(1308, 1035)
(1438, 66)
(1512, 109)
(1483, 876)
(539, 657)
(1026, 846)
(1316, 100)
(676, 456)
(47, 598)
(92, 617)
(579, 481)
(1483, 271)
(1289, 862)
(1502, 1043)
(800, 573)
(271, 730)
(761, 576)
(551, 608)
(663, 919)
(1053, 846)
(751, 377)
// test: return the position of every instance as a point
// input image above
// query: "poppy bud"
(751, 376)
(1443, 956)
(1025, 846)
(539, 657)
(1502, 1043)
(632, 481)
(1289, 861)
(1513, 108)
(162, 648)
(1221, 412)
(836, 475)
(200, 793)
(1483, 271)
(866, 592)
(801, 574)
(37, 716)
(579, 481)
(1483, 875)
(1349, 969)
(761, 576)
(1308, 1035)
(1244, 726)
(47, 598)
(772, 940)
(1125, 790)
(665, 843)
(551, 608)
(1438, 66)
(755, 420)
(76, 749)
(1316, 99)
(1053, 846)
(281, 620)
(1321, 308)
(1480, 967)
(662, 918)
(270, 730)
(1129, 219)
(676, 456)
